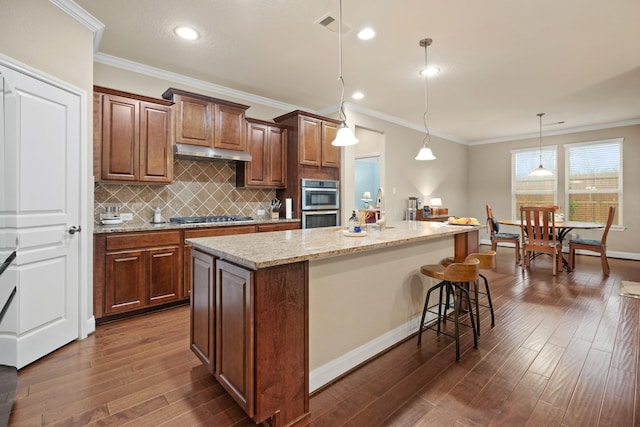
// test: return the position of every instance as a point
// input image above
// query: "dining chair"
(539, 235)
(599, 246)
(497, 237)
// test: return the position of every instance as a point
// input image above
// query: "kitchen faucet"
(380, 205)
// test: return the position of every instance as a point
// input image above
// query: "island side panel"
(465, 243)
(282, 342)
(362, 303)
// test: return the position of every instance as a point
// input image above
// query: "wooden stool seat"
(451, 279)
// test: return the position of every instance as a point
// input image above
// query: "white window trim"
(515, 214)
(620, 226)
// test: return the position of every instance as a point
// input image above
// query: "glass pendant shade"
(344, 137)
(540, 171)
(425, 154)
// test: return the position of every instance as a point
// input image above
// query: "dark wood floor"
(564, 351)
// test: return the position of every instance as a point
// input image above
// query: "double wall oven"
(320, 203)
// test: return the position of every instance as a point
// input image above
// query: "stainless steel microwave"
(320, 194)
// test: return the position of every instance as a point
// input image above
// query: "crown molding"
(85, 18)
(559, 132)
(190, 81)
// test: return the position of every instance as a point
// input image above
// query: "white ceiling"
(501, 61)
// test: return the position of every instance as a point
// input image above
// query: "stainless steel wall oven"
(320, 203)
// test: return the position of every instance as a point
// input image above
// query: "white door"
(42, 184)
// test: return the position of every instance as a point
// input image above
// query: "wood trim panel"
(219, 231)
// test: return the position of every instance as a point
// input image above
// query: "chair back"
(612, 213)
(491, 222)
(467, 271)
(538, 228)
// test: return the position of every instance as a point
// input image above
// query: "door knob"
(73, 229)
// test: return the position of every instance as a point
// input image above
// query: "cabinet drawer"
(143, 240)
(219, 231)
(278, 227)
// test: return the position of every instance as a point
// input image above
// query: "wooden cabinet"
(234, 368)
(136, 270)
(267, 144)
(309, 152)
(315, 134)
(132, 137)
(260, 330)
(208, 122)
(203, 308)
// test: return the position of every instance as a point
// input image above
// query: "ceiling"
(501, 61)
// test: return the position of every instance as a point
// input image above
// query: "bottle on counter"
(157, 216)
(353, 221)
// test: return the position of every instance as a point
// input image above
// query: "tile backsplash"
(199, 189)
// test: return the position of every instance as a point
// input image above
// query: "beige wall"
(490, 180)
(445, 177)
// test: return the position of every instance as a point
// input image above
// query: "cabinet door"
(125, 281)
(277, 157)
(156, 156)
(194, 121)
(120, 138)
(234, 333)
(330, 153)
(203, 308)
(257, 169)
(164, 266)
(229, 128)
(309, 134)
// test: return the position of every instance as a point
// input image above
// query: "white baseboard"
(332, 370)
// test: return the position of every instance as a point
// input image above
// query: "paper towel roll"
(288, 208)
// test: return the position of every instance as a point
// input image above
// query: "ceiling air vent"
(331, 24)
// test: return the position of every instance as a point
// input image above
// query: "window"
(532, 190)
(594, 180)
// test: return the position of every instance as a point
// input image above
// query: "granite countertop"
(128, 227)
(285, 247)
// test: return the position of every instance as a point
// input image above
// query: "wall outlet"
(126, 216)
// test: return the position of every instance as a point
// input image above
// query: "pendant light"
(540, 170)
(425, 152)
(344, 136)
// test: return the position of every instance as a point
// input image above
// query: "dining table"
(562, 228)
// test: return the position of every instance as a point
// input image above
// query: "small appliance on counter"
(111, 216)
(412, 207)
(157, 217)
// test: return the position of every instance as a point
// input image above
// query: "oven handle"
(318, 212)
(324, 190)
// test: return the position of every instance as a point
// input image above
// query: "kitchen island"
(278, 315)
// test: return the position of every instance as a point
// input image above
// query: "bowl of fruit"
(463, 221)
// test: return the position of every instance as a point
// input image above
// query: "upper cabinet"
(314, 136)
(208, 122)
(267, 144)
(132, 137)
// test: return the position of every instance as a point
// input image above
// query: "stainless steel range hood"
(194, 152)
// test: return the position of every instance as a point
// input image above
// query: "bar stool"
(487, 262)
(451, 279)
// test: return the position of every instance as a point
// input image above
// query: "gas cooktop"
(206, 219)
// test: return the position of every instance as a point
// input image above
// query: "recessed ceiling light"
(187, 33)
(366, 34)
(429, 71)
(357, 95)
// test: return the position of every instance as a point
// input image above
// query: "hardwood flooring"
(564, 352)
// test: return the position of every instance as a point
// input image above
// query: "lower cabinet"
(253, 336)
(140, 270)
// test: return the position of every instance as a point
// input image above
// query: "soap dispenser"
(353, 221)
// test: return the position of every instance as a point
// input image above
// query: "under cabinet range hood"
(194, 152)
